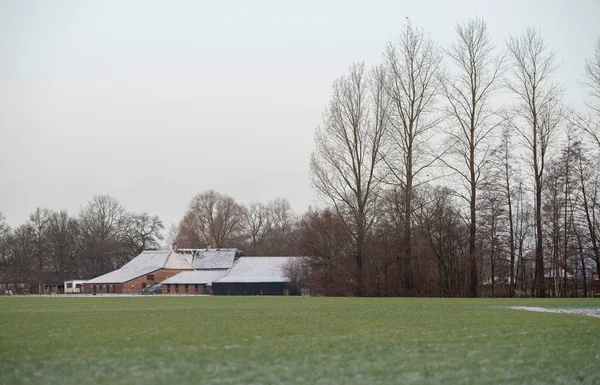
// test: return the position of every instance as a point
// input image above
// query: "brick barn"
(152, 267)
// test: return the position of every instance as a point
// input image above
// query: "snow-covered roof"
(149, 258)
(178, 261)
(195, 277)
(258, 269)
(123, 274)
(211, 258)
(183, 259)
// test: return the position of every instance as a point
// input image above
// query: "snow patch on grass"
(592, 312)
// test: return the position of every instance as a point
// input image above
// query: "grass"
(283, 340)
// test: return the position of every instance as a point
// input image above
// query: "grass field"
(237, 340)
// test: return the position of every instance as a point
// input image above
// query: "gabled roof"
(184, 259)
(258, 269)
(123, 274)
(149, 258)
(195, 277)
(211, 258)
(178, 261)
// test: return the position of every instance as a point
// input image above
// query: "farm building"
(256, 276)
(152, 267)
(192, 282)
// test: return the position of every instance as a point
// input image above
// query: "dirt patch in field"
(593, 312)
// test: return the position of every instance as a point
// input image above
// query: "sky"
(153, 102)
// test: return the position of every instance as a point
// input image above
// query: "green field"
(285, 340)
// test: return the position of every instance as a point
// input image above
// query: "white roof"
(178, 261)
(258, 269)
(124, 274)
(149, 258)
(195, 277)
(211, 258)
(183, 259)
(145, 263)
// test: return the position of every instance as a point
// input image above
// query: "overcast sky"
(153, 102)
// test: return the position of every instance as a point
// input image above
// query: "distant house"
(256, 276)
(152, 267)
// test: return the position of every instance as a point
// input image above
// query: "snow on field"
(593, 312)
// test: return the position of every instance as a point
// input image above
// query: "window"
(168, 288)
(150, 277)
(78, 286)
(176, 288)
(196, 287)
(69, 285)
(186, 287)
(143, 285)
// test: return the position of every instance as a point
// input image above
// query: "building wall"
(181, 289)
(250, 288)
(135, 286)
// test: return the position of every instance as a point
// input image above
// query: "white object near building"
(74, 286)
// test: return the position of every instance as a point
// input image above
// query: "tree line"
(440, 189)
(431, 186)
(52, 246)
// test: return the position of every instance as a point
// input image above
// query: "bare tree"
(346, 160)
(468, 93)
(100, 224)
(39, 222)
(413, 67)
(298, 272)
(538, 116)
(324, 238)
(140, 232)
(504, 158)
(443, 227)
(63, 245)
(258, 226)
(217, 217)
(588, 183)
(590, 122)
(5, 232)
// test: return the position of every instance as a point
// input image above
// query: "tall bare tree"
(590, 121)
(538, 116)
(468, 92)
(413, 67)
(504, 160)
(348, 154)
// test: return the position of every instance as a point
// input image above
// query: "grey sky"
(153, 102)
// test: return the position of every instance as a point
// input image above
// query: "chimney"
(174, 246)
(208, 247)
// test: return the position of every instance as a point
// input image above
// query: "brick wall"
(181, 289)
(135, 285)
